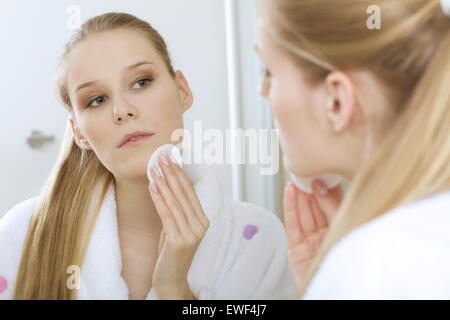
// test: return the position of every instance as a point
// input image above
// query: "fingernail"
(288, 186)
(153, 187)
(164, 160)
(321, 187)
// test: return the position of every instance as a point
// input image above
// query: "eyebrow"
(131, 67)
(134, 66)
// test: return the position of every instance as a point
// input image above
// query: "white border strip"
(232, 44)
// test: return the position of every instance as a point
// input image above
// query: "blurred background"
(211, 41)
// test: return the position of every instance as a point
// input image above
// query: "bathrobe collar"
(101, 271)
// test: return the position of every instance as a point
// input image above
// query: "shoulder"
(252, 217)
(17, 217)
(14, 224)
(256, 264)
(401, 255)
(256, 231)
(13, 229)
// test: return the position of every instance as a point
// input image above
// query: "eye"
(142, 83)
(97, 101)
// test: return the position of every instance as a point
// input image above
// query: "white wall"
(33, 34)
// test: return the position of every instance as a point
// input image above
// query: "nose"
(123, 110)
(262, 87)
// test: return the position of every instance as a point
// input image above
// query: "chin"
(295, 167)
(288, 165)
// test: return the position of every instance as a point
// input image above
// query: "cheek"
(162, 110)
(288, 108)
(100, 141)
(291, 106)
(89, 125)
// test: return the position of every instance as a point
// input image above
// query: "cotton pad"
(305, 184)
(166, 148)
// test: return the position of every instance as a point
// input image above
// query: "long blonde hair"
(410, 54)
(68, 206)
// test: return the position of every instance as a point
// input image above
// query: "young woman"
(98, 230)
(372, 105)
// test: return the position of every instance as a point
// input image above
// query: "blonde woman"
(373, 105)
(99, 230)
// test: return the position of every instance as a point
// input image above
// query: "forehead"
(263, 43)
(106, 52)
(264, 9)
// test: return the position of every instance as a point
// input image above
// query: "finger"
(180, 194)
(292, 223)
(321, 219)
(327, 203)
(337, 193)
(306, 215)
(190, 192)
(163, 211)
(170, 202)
(300, 254)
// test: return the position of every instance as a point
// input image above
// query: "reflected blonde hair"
(68, 206)
(411, 55)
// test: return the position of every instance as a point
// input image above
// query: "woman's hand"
(184, 225)
(306, 218)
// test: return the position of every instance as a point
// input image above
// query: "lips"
(132, 135)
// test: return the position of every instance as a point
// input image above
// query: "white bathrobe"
(403, 254)
(243, 255)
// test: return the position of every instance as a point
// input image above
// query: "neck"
(136, 211)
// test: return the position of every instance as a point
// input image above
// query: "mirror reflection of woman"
(178, 238)
(374, 107)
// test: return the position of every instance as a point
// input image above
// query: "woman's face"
(295, 106)
(307, 125)
(118, 84)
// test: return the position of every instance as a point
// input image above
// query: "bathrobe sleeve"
(257, 265)
(13, 229)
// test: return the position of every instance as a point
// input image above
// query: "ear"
(185, 92)
(79, 139)
(342, 102)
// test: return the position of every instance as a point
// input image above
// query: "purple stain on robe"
(250, 231)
